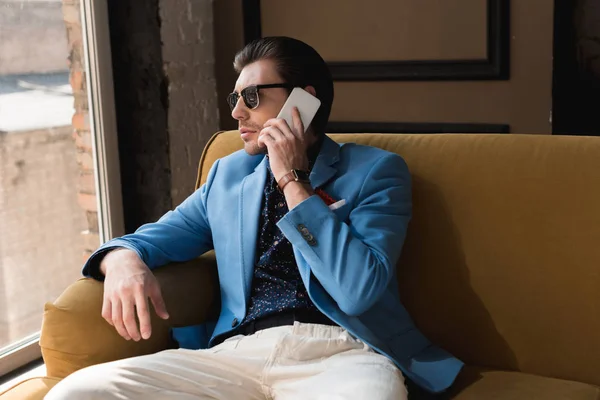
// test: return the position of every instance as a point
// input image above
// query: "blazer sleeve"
(355, 261)
(180, 235)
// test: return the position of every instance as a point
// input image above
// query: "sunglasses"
(250, 95)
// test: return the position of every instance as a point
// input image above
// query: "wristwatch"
(295, 175)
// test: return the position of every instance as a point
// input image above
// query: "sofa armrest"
(74, 335)
(190, 290)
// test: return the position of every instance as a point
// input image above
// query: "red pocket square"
(324, 196)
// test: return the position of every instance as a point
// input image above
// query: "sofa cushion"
(30, 389)
(478, 383)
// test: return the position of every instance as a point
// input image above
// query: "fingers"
(158, 301)
(129, 318)
(121, 310)
(125, 303)
(271, 133)
(263, 141)
(298, 127)
(297, 122)
(281, 126)
(117, 318)
(141, 305)
(268, 136)
(107, 310)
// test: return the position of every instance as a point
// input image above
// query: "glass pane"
(48, 220)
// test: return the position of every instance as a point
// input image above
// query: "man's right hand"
(127, 286)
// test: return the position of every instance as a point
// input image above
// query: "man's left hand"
(286, 145)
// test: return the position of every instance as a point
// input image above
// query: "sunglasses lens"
(232, 100)
(251, 97)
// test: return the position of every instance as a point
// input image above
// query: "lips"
(245, 132)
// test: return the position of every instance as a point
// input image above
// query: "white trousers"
(303, 361)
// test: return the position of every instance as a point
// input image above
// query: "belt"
(278, 319)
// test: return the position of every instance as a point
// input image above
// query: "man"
(309, 302)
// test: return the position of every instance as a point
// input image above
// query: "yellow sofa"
(501, 267)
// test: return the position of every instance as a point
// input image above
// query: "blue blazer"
(346, 257)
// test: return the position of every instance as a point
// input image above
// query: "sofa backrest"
(501, 265)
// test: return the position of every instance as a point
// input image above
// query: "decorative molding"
(414, 127)
(495, 67)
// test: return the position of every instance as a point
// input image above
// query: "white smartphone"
(307, 104)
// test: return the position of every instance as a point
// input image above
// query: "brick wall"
(40, 225)
(188, 52)
(86, 190)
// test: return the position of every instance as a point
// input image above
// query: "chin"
(251, 147)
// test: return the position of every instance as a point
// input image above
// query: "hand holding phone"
(307, 105)
(290, 154)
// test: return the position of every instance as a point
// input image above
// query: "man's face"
(250, 122)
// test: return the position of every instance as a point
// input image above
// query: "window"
(59, 176)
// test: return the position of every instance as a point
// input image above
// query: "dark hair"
(298, 64)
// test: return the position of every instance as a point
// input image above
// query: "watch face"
(302, 175)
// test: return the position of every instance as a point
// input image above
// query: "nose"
(240, 111)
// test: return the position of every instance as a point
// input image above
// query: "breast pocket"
(341, 211)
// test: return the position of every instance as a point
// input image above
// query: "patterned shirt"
(276, 285)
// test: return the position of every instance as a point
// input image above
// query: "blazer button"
(234, 322)
(302, 228)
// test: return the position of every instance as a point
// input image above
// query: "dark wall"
(141, 104)
(576, 90)
(229, 39)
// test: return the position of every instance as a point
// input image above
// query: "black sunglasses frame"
(234, 97)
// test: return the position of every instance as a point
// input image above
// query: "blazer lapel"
(249, 205)
(323, 169)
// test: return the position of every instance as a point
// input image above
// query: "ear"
(311, 90)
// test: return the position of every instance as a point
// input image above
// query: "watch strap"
(291, 176)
